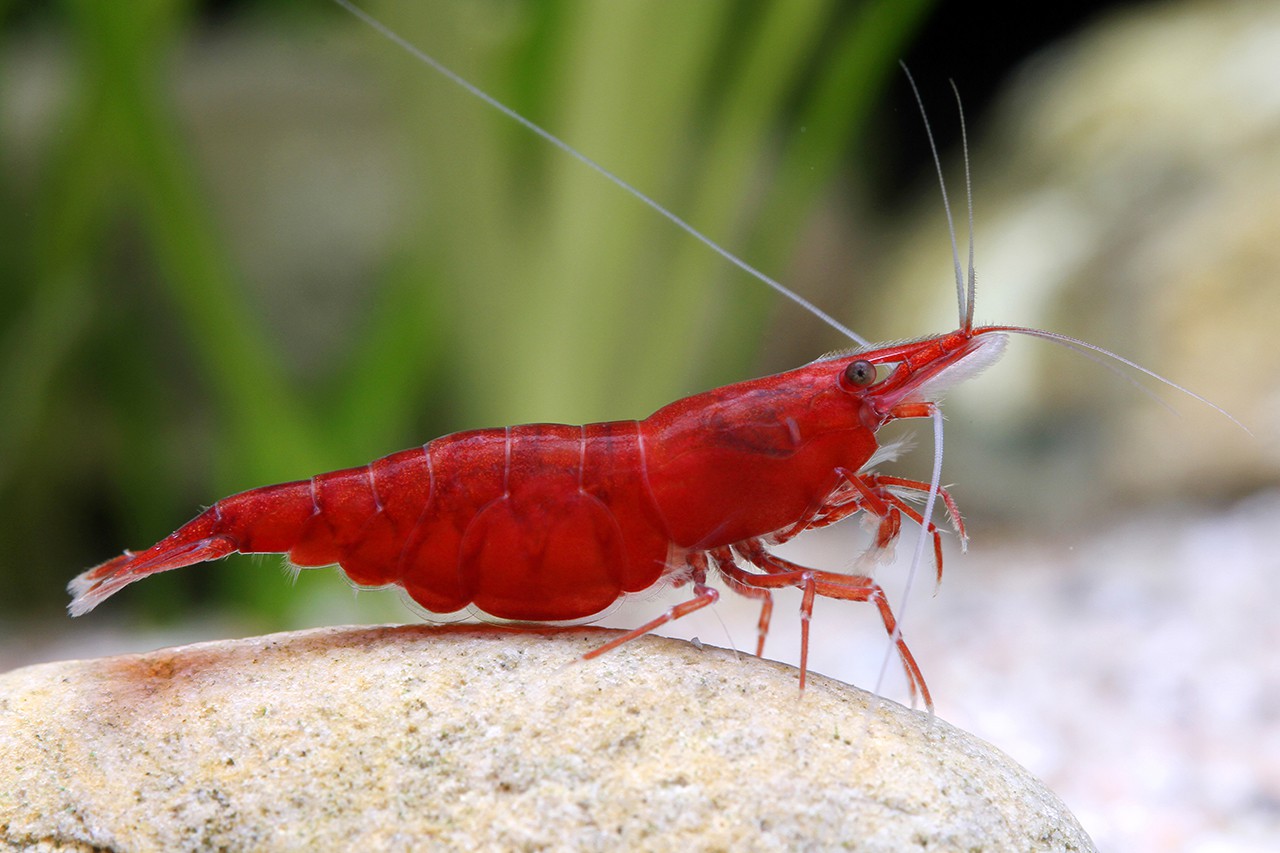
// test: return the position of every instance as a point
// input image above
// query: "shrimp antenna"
(965, 295)
(537, 129)
(965, 304)
(1085, 348)
(917, 556)
(965, 307)
(967, 319)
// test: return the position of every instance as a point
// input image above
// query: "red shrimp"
(548, 523)
(553, 523)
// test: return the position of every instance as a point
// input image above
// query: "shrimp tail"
(260, 520)
(99, 583)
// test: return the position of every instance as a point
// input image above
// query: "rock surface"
(416, 736)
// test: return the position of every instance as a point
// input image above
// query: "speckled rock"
(414, 737)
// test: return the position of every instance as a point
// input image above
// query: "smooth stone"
(413, 737)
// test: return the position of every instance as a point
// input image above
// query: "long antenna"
(964, 299)
(479, 93)
(966, 321)
(965, 305)
(1085, 348)
(917, 556)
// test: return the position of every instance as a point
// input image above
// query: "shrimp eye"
(860, 373)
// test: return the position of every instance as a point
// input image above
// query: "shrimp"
(548, 522)
(554, 523)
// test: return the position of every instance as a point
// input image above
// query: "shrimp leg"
(781, 573)
(875, 494)
(703, 596)
(721, 556)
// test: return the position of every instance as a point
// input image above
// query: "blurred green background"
(245, 243)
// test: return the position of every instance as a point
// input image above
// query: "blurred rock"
(1127, 192)
(412, 736)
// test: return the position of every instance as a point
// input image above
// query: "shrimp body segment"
(548, 523)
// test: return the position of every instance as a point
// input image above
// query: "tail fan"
(188, 545)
